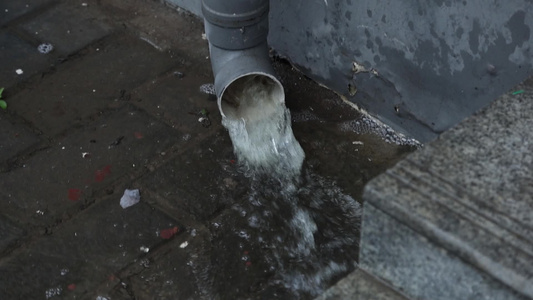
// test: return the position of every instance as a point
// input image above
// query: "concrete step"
(454, 220)
(361, 285)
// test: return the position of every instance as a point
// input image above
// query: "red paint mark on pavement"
(169, 232)
(138, 135)
(100, 175)
(74, 194)
(71, 287)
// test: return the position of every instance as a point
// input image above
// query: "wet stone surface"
(9, 234)
(202, 181)
(175, 98)
(66, 97)
(66, 174)
(16, 137)
(124, 113)
(68, 27)
(10, 10)
(79, 256)
(19, 54)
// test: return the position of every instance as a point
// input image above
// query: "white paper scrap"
(130, 198)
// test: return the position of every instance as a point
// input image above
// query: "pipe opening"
(251, 97)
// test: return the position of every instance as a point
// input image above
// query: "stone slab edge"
(361, 285)
(427, 204)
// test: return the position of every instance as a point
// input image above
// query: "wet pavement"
(116, 105)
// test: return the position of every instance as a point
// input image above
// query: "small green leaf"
(1, 91)
(515, 93)
(3, 104)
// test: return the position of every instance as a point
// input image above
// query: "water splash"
(260, 129)
(305, 228)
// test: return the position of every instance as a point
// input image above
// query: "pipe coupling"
(236, 24)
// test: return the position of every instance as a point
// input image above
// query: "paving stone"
(110, 72)
(15, 54)
(10, 10)
(68, 27)
(239, 250)
(199, 182)
(173, 272)
(15, 137)
(453, 220)
(9, 233)
(361, 285)
(153, 22)
(70, 262)
(63, 181)
(176, 98)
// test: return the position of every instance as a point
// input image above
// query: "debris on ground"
(204, 118)
(45, 48)
(130, 198)
(19, 71)
(368, 125)
(101, 174)
(52, 292)
(208, 88)
(518, 92)
(184, 244)
(116, 142)
(124, 96)
(203, 115)
(3, 104)
(74, 194)
(169, 232)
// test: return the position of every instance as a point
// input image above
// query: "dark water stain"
(348, 15)
(473, 36)
(520, 32)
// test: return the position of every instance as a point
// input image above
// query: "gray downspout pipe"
(237, 33)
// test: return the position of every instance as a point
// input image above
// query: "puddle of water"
(296, 228)
(280, 240)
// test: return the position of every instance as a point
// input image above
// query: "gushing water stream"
(260, 130)
(305, 227)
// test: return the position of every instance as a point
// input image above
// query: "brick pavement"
(114, 106)
(83, 123)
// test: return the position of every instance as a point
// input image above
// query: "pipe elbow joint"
(237, 33)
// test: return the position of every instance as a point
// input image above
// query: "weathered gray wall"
(431, 62)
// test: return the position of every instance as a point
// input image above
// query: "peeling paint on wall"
(438, 60)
